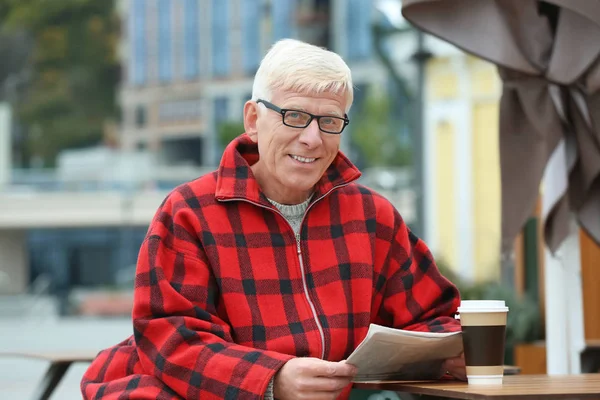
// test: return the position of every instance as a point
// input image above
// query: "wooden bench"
(60, 361)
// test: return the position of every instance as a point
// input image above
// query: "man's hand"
(456, 367)
(312, 378)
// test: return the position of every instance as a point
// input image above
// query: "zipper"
(299, 252)
(310, 303)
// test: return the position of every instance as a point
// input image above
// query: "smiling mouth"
(305, 160)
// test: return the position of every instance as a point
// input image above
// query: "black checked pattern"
(220, 303)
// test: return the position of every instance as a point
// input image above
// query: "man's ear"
(250, 119)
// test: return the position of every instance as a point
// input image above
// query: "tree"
(375, 135)
(74, 72)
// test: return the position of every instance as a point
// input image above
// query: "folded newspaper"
(396, 354)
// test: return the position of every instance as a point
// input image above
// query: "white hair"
(292, 65)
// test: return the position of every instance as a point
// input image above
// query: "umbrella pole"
(562, 277)
(564, 309)
(574, 293)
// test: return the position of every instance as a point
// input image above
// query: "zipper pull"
(298, 242)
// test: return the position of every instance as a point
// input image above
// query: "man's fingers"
(456, 367)
(339, 369)
(322, 384)
(454, 362)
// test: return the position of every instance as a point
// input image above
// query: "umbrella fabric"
(547, 53)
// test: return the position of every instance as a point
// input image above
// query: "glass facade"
(282, 12)
(165, 53)
(137, 34)
(358, 32)
(221, 47)
(221, 105)
(191, 42)
(251, 15)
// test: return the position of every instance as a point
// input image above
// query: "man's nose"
(311, 135)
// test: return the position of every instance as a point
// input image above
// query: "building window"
(184, 151)
(221, 111)
(221, 48)
(140, 116)
(191, 34)
(282, 18)
(251, 15)
(358, 34)
(165, 55)
(179, 111)
(137, 34)
(313, 21)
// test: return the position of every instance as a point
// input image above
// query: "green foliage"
(229, 130)
(375, 134)
(75, 72)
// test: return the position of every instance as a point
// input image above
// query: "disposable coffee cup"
(483, 325)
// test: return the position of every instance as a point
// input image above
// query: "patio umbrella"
(547, 53)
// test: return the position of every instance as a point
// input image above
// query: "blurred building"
(189, 64)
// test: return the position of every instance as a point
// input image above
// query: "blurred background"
(105, 106)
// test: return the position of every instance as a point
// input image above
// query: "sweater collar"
(235, 179)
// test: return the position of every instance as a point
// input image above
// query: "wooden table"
(59, 364)
(527, 387)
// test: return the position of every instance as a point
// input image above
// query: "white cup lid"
(482, 306)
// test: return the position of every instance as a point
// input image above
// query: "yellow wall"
(444, 87)
(442, 80)
(486, 169)
(486, 190)
(445, 138)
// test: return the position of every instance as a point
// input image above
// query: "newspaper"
(396, 354)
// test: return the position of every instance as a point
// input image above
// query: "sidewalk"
(18, 377)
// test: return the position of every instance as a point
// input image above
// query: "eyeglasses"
(301, 119)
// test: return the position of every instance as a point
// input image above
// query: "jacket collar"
(235, 179)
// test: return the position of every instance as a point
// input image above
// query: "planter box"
(531, 358)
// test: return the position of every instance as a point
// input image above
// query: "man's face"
(292, 160)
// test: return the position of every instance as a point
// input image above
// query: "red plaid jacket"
(225, 294)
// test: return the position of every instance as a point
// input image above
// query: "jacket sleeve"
(416, 296)
(180, 337)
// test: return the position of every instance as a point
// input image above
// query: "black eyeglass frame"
(283, 111)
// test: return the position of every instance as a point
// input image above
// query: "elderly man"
(259, 279)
